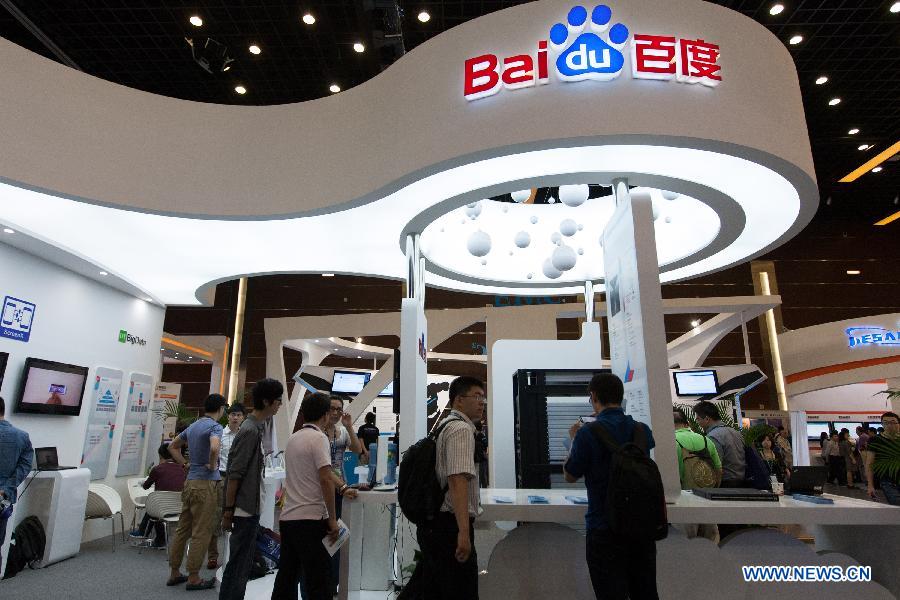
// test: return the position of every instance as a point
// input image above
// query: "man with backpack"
(15, 464)
(449, 562)
(612, 454)
(729, 445)
(699, 466)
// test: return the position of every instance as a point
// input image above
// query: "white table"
(841, 526)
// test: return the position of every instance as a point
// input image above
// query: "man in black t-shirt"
(368, 433)
(879, 447)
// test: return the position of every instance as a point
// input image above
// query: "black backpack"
(419, 493)
(635, 500)
(756, 472)
(27, 547)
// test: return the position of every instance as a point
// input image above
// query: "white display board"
(637, 337)
(160, 429)
(101, 422)
(134, 430)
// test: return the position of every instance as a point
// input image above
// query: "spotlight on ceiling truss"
(211, 55)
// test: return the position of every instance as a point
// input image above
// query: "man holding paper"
(308, 515)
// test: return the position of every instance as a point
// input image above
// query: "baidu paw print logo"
(589, 51)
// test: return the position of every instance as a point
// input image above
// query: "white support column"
(413, 350)
(746, 340)
(589, 301)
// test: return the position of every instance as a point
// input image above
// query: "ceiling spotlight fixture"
(327, 274)
(240, 89)
(196, 21)
(853, 272)
(309, 19)
(8, 230)
(822, 79)
(212, 56)
(254, 49)
(795, 40)
(895, 7)
(103, 273)
(359, 357)
(334, 88)
(358, 47)
(863, 147)
(424, 17)
(695, 323)
(359, 340)
(853, 131)
(316, 341)
(877, 170)
(834, 102)
(776, 9)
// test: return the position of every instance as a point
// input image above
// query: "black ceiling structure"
(854, 43)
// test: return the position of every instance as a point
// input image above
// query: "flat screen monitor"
(51, 388)
(815, 429)
(696, 383)
(388, 391)
(349, 382)
(4, 357)
(850, 426)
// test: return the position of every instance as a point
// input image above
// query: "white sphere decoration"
(564, 258)
(555, 238)
(656, 209)
(523, 239)
(483, 261)
(573, 195)
(534, 220)
(505, 209)
(473, 210)
(568, 227)
(521, 196)
(479, 243)
(669, 195)
(580, 251)
(511, 252)
(550, 272)
(668, 219)
(530, 275)
(551, 200)
(471, 205)
(580, 227)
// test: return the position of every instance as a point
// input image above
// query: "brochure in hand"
(343, 536)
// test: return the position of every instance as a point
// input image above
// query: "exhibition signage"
(134, 429)
(161, 429)
(127, 338)
(17, 319)
(101, 422)
(595, 50)
(872, 336)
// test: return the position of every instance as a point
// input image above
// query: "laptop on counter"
(807, 480)
(46, 459)
(736, 494)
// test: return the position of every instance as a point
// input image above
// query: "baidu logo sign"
(592, 47)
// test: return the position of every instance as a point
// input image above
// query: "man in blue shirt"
(15, 463)
(199, 495)
(619, 568)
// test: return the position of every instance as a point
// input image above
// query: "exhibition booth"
(675, 142)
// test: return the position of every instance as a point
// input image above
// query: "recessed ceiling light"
(877, 170)
(148, 299)
(316, 341)
(240, 89)
(852, 272)
(309, 19)
(103, 273)
(335, 349)
(190, 357)
(8, 230)
(853, 131)
(776, 9)
(695, 323)
(863, 147)
(359, 357)
(359, 340)
(834, 102)
(334, 88)
(327, 274)
(424, 17)
(795, 40)
(358, 47)
(822, 79)
(895, 7)
(226, 68)
(196, 21)
(254, 49)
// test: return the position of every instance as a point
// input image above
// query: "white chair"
(104, 502)
(165, 507)
(138, 496)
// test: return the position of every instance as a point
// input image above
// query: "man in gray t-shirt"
(729, 443)
(200, 493)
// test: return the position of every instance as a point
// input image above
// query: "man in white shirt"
(309, 506)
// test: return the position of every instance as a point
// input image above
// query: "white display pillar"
(413, 350)
(637, 335)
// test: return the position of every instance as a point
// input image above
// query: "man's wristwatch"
(343, 489)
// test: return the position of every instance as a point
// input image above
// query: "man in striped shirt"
(448, 544)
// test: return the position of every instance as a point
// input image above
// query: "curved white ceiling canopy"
(170, 196)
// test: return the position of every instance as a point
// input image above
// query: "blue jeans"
(891, 492)
(241, 547)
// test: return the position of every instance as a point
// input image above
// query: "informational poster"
(637, 336)
(101, 422)
(134, 431)
(161, 428)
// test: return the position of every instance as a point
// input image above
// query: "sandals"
(205, 584)
(177, 581)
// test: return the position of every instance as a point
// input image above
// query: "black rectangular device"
(51, 388)
(807, 480)
(736, 494)
(698, 382)
(46, 459)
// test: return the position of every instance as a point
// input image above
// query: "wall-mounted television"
(349, 382)
(815, 429)
(4, 357)
(51, 388)
(696, 383)
(850, 426)
(388, 391)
